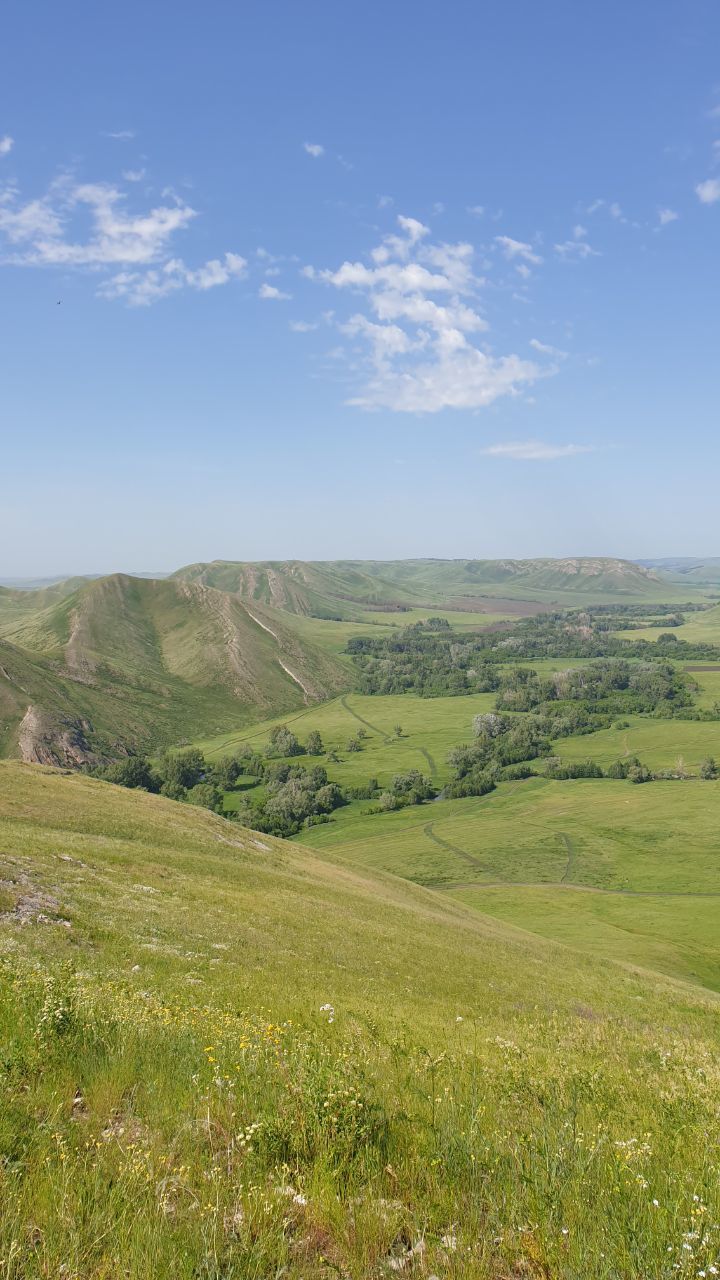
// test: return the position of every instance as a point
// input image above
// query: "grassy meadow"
(226, 1056)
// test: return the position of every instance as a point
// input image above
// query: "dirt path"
(344, 702)
(580, 888)
(570, 848)
(452, 848)
(431, 763)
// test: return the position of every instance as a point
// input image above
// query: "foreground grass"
(223, 1057)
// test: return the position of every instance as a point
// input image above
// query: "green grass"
(431, 727)
(702, 627)
(658, 743)
(645, 849)
(175, 1103)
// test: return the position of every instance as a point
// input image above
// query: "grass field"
(226, 1057)
(431, 727)
(642, 856)
(658, 743)
(702, 627)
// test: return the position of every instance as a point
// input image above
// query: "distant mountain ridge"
(339, 587)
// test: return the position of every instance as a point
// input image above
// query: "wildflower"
(656, 1203)
(565, 1231)
(459, 1018)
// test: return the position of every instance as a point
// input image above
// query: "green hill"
(226, 1056)
(703, 571)
(338, 588)
(125, 662)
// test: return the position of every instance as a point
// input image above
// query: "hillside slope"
(224, 1056)
(338, 588)
(145, 662)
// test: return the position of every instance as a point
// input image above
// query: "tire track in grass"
(344, 702)
(451, 848)
(579, 888)
(431, 763)
(570, 850)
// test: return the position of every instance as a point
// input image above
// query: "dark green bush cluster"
(184, 775)
(293, 797)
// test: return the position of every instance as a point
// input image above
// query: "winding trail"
(344, 703)
(570, 848)
(452, 848)
(431, 763)
(579, 888)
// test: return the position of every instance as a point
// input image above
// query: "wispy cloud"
(535, 450)
(89, 226)
(415, 338)
(517, 249)
(575, 250)
(6, 145)
(546, 350)
(134, 175)
(271, 293)
(120, 135)
(142, 288)
(477, 210)
(303, 326)
(314, 149)
(708, 192)
(665, 216)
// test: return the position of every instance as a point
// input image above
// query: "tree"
(489, 725)
(206, 796)
(709, 769)
(354, 745)
(225, 773)
(133, 772)
(282, 742)
(314, 745)
(185, 769)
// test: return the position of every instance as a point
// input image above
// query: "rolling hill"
(127, 662)
(340, 588)
(227, 1056)
(701, 572)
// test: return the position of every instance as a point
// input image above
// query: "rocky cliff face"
(44, 738)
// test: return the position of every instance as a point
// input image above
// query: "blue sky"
(357, 280)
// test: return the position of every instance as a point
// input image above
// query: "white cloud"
(385, 202)
(88, 226)
(517, 249)
(572, 250)
(614, 210)
(120, 135)
(142, 288)
(546, 350)
(476, 209)
(314, 149)
(416, 330)
(6, 145)
(535, 450)
(579, 231)
(134, 175)
(270, 292)
(708, 192)
(114, 236)
(303, 326)
(667, 215)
